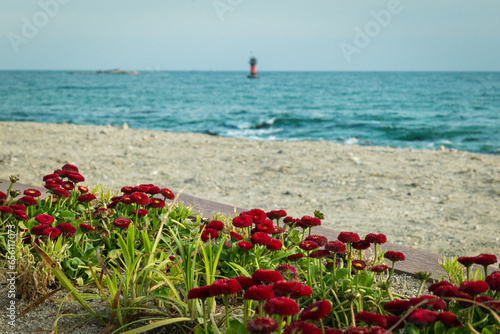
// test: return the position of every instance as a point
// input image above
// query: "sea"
(421, 110)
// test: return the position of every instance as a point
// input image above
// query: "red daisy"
(70, 167)
(267, 276)
(276, 214)
(225, 287)
(60, 173)
(85, 227)
(320, 253)
(288, 271)
(295, 256)
(44, 219)
(259, 292)
(127, 190)
(371, 318)
(449, 319)
(245, 245)
(316, 311)
(83, 189)
(394, 256)
(68, 229)
(261, 238)
(121, 222)
(127, 199)
(257, 215)
(68, 185)
(216, 225)
(51, 232)
(262, 325)
(436, 285)
(435, 303)
(493, 281)
(282, 306)
(87, 197)
(167, 193)
(474, 287)
(140, 212)
(209, 233)
(274, 245)
(319, 239)
(485, 259)
(236, 236)
(18, 207)
(466, 261)
(242, 221)
(346, 237)
(397, 306)
(199, 293)
(51, 176)
(75, 177)
(20, 215)
(336, 247)
(287, 288)
(60, 192)
(38, 229)
(422, 317)
(361, 245)
(266, 226)
(140, 198)
(5, 209)
(447, 291)
(156, 203)
(302, 291)
(309, 221)
(290, 221)
(32, 192)
(308, 245)
(359, 264)
(376, 238)
(247, 282)
(378, 269)
(301, 327)
(27, 200)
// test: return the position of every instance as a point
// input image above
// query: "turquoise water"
(400, 109)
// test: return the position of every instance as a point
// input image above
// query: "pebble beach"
(442, 201)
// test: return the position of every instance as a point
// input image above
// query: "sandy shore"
(446, 202)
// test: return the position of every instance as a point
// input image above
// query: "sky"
(284, 35)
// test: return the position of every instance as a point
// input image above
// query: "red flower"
(27, 200)
(336, 247)
(141, 212)
(361, 245)
(376, 238)
(156, 203)
(320, 253)
(5, 209)
(380, 268)
(121, 222)
(261, 238)
(291, 221)
(447, 291)
(288, 271)
(485, 259)
(319, 239)
(274, 245)
(67, 229)
(493, 280)
(435, 303)
(127, 190)
(51, 232)
(85, 227)
(247, 282)
(276, 214)
(316, 311)
(75, 177)
(359, 264)
(225, 287)
(32, 192)
(295, 256)
(216, 225)
(281, 306)
(308, 245)
(309, 221)
(267, 276)
(422, 317)
(140, 198)
(3, 197)
(38, 229)
(44, 219)
(287, 288)
(68, 185)
(199, 293)
(397, 306)
(18, 207)
(394, 256)
(52, 179)
(259, 292)
(60, 192)
(434, 286)
(466, 261)
(20, 215)
(371, 318)
(262, 325)
(236, 236)
(60, 173)
(257, 215)
(494, 303)
(167, 193)
(301, 291)
(209, 233)
(333, 331)
(127, 199)
(392, 320)
(70, 167)
(473, 287)
(449, 319)
(83, 189)
(142, 188)
(242, 221)
(87, 197)
(266, 226)
(301, 327)
(245, 245)
(346, 237)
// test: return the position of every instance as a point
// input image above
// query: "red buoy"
(253, 68)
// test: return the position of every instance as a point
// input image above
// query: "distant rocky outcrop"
(117, 71)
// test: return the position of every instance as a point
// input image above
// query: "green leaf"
(156, 325)
(67, 215)
(411, 330)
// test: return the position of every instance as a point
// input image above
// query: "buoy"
(253, 68)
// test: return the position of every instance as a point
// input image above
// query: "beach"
(442, 201)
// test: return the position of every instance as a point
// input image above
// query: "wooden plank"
(416, 260)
